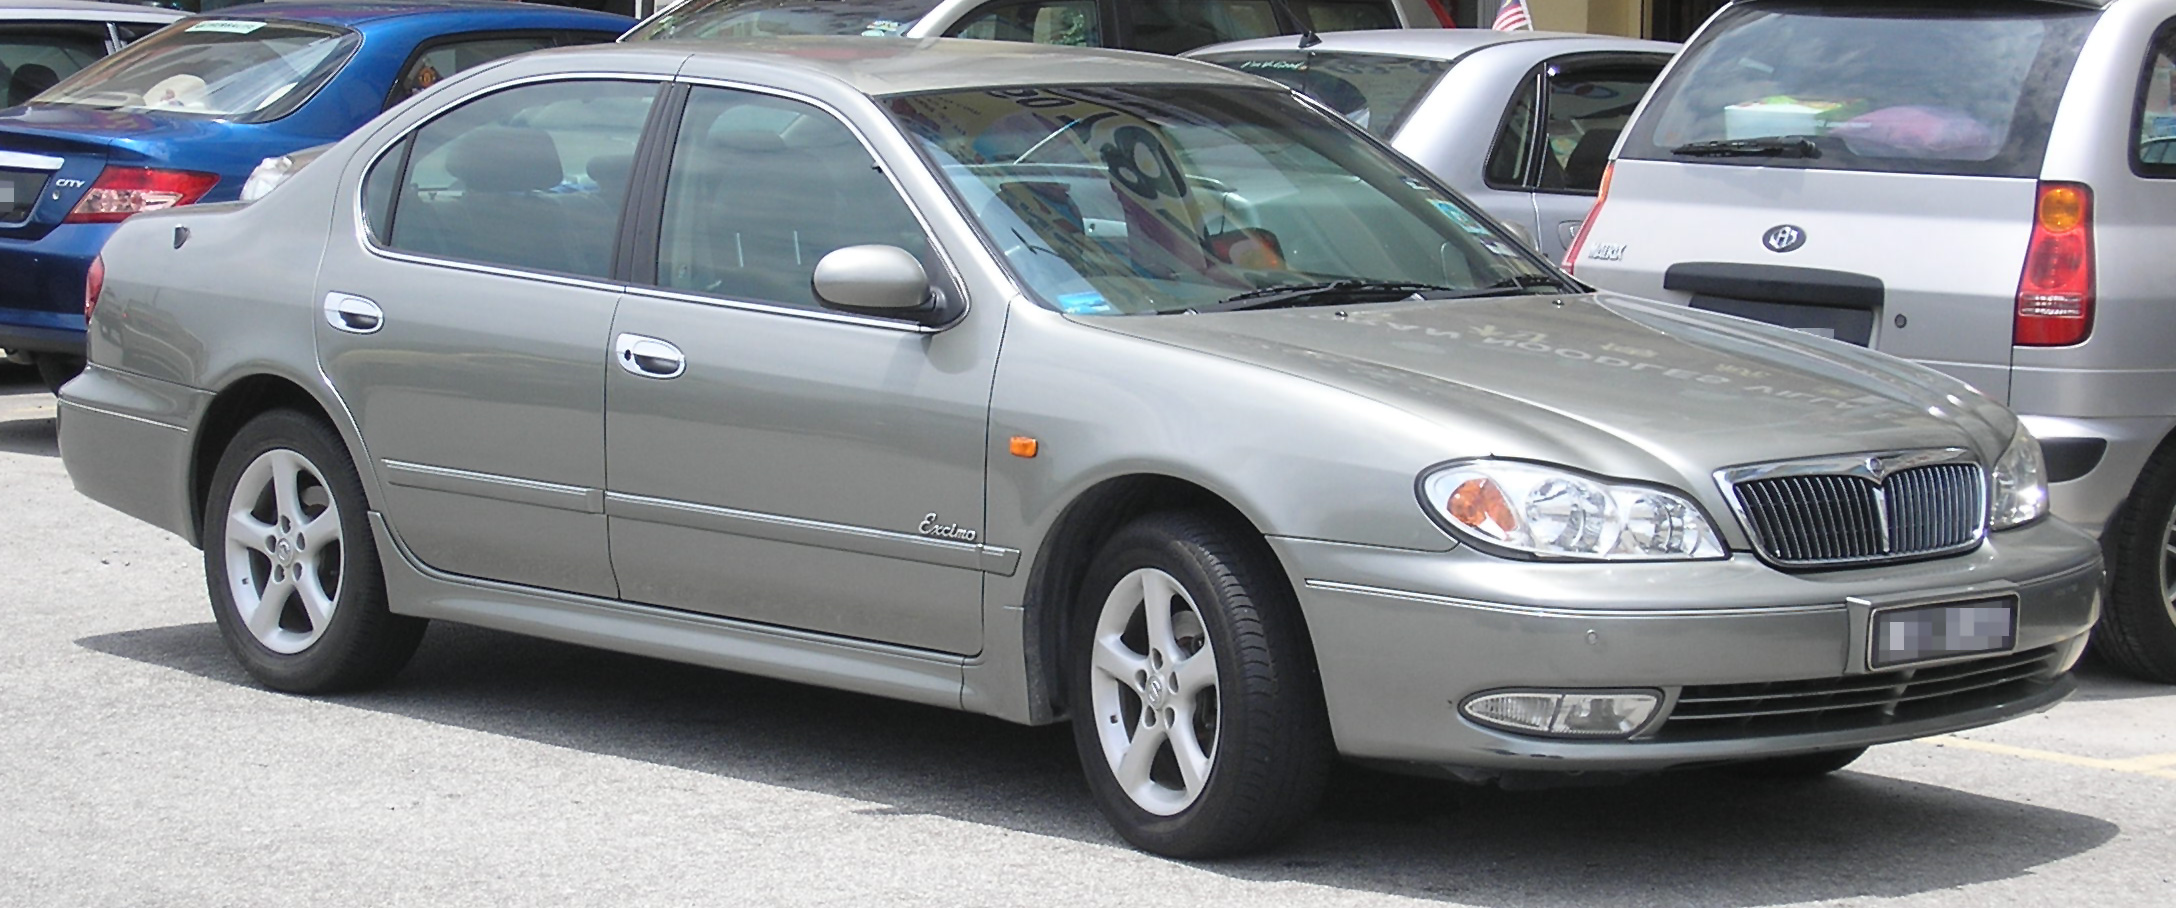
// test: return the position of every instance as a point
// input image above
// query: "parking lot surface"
(140, 766)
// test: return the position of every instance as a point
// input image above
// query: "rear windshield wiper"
(1344, 291)
(1766, 147)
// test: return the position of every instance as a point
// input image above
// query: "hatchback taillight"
(94, 283)
(2055, 293)
(122, 191)
(1571, 256)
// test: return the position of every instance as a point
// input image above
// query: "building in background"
(1666, 20)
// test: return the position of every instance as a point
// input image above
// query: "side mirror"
(883, 281)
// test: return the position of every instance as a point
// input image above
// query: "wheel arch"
(1061, 563)
(233, 407)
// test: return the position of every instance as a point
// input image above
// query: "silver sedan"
(1520, 123)
(1051, 385)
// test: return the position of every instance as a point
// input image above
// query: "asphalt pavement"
(140, 766)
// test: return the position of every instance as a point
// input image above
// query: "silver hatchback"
(1983, 188)
(1052, 384)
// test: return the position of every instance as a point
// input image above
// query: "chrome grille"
(1862, 509)
(1725, 711)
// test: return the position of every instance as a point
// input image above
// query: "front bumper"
(1403, 637)
(41, 301)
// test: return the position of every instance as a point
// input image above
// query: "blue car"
(185, 115)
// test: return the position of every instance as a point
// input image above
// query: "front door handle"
(353, 314)
(648, 356)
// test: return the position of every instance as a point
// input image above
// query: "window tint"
(1903, 88)
(760, 188)
(1177, 26)
(741, 18)
(1073, 23)
(34, 56)
(446, 58)
(1376, 91)
(531, 178)
(1587, 110)
(2155, 154)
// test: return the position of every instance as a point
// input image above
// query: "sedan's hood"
(1612, 384)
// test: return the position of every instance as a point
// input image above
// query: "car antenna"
(1308, 38)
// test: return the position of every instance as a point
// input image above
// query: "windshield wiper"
(1513, 286)
(1767, 147)
(1344, 291)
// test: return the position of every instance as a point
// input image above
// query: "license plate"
(19, 193)
(1921, 633)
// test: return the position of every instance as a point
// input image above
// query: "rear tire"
(293, 572)
(1796, 766)
(55, 369)
(1196, 706)
(2137, 630)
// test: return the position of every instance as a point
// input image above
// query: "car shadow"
(1693, 839)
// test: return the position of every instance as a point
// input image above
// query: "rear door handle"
(353, 314)
(648, 356)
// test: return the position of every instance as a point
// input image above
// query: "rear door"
(1856, 170)
(1556, 137)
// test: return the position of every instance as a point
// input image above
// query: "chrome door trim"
(821, 534)
(353, 314)
(496, 487)
(633, 352)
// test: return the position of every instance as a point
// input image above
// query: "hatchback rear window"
(1892, 87)
(1375, 91)
(249, 70)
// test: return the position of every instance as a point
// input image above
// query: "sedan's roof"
(885, 66)
(85, 9)
(1442, 43)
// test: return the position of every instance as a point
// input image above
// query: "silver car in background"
(1052, 384)
(1156, 26)
(1521, 123)
(1985, 188)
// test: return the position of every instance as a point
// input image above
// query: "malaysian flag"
(1512, 16)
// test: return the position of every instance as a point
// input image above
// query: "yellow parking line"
(2142, 766)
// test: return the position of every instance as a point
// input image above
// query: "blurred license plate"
(1920, 633)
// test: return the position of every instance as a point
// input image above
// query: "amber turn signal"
(1023, 446)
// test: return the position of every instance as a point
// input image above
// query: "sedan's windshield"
(749, 18)
(1144, 199)
(246, 69)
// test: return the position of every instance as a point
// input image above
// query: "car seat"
(28, 81)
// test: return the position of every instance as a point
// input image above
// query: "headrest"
(612, 172)
(505, 159)
(749, 140)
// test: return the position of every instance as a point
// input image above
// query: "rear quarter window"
(1890, 87)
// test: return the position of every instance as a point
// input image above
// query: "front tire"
(1196, 707)
(2137, 630)
(295, 582)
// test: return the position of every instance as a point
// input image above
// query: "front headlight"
(1549, 512)
(2021, 484)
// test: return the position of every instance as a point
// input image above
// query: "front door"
(771, 461)
(466, 327)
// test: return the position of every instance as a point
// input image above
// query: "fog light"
(1614, 714)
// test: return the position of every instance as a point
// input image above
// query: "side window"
(2155, 154)
(36, 55)
(1073, 23)
(130, 31)
(1587, 109)
(444, 58)
(1177, 26)
(531, 178)
(1512, 156)
(760, 188)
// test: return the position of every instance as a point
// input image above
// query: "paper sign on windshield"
(226, 26)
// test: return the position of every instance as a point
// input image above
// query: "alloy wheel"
(1153, 688)
(283, 551)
